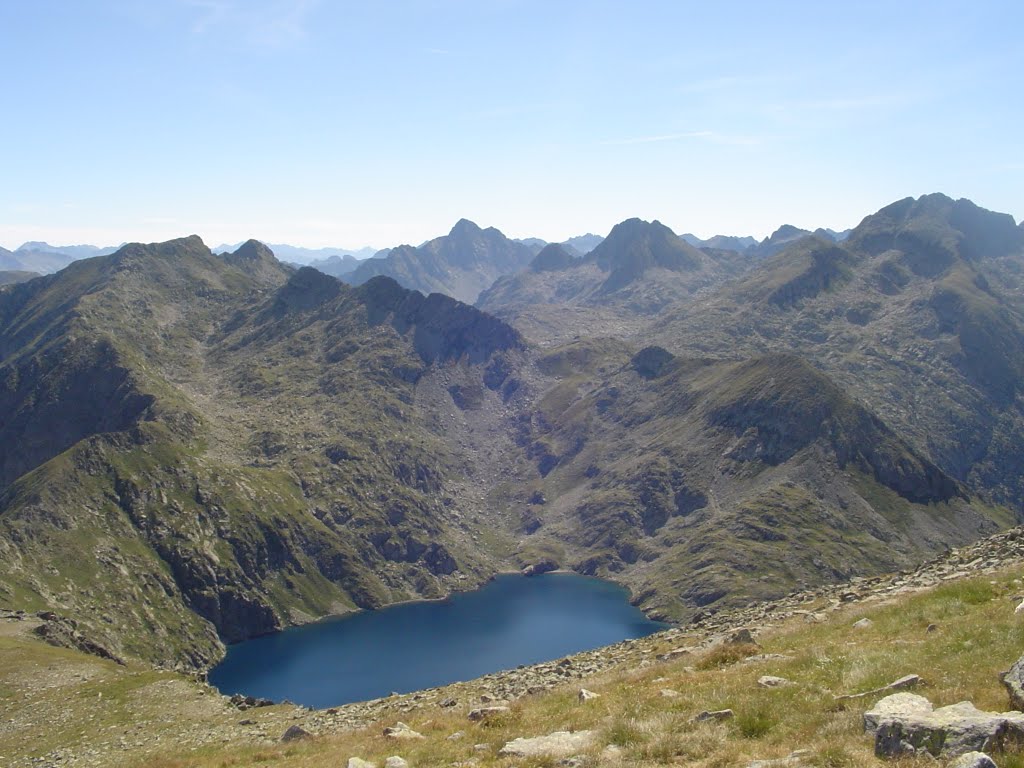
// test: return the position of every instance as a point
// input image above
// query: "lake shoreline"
(505, 623)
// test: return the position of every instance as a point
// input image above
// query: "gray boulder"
(948, 732)
(973, 760)
(295, 733)
(897, 705)
(1014, 682)
(487, 713)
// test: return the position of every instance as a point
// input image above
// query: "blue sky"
(347, 124)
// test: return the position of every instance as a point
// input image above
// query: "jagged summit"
(252, 250)
(634, 246)
(933, 230)
(460, 264)
(465, 228)
(552, 258)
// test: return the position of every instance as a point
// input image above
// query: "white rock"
(396, 762)
(771, 681)
(863, 623)
(401, 731)
(896, 704)
(358, 762)
(557, 744)
(973, 760)
(585, 695)
(1019, 608)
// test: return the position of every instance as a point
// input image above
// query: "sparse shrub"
(834, 756)
(724, 655)
(624, 733)
(754, 723)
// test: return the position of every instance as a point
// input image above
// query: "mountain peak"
(34, 245)
(464, 227)
(635, 245)
(552, 258)
(252, 250)
(934, 230)
(784, 233)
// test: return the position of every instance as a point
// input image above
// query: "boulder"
(741, 637)
(358, 762)
(1014, 682)
(973, 760)
(396, 762)
(718, 715)
(863, 623)
(771, 681)
(898, 704)
(948, 732)
(584, 695)
(557, 744)
(295, 733)
(905, 682)
(401, 731)
(487, 713)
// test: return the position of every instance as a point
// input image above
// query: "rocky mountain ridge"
(459, 264)
(221, 445)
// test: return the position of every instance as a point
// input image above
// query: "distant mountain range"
(220, 445)
(294, 254)
(460, 264)
(44, 258)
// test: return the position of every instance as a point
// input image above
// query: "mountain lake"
(511, 620)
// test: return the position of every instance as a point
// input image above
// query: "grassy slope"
(974, 636)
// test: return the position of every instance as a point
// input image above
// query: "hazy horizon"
(336, 125)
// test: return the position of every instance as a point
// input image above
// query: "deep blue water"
(511, 620)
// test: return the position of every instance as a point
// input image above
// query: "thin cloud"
(269, 24)
(656, 139)
(712, 137)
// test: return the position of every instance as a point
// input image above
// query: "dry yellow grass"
(975, 635)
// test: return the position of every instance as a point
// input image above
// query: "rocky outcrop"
(441, 328)
(905, 724)
(1013, 679)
